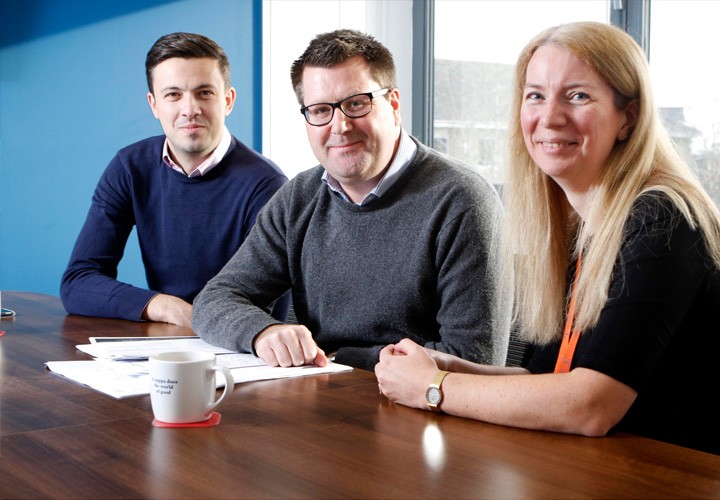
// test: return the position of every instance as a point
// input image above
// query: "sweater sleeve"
(474, 307)
(89, 285)
(364, 358)
(261, 196)
(234, 306)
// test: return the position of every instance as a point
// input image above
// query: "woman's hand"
(443, 360)
(404, 372)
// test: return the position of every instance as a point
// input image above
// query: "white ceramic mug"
(182, 386)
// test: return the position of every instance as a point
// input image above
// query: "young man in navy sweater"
(192, 194)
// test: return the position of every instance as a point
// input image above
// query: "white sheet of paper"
(143, 349)
(121, 379)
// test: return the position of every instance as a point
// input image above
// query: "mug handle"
(229, 384)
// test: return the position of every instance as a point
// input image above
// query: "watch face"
(433, 395)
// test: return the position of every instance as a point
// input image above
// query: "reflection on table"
(325, 436)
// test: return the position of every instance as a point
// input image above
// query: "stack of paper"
(141, 348)
(120, 367)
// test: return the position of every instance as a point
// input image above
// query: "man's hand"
(168, 309)
(288, 345)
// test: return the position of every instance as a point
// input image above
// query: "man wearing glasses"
(385, 239)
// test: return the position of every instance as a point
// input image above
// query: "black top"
(659, 330)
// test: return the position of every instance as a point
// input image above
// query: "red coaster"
(213, 420)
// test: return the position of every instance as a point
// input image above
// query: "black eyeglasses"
(354, 106)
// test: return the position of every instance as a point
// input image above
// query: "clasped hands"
(405, 371)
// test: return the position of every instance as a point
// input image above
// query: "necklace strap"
(570, 335)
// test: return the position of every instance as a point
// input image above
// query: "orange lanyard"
(570, 335)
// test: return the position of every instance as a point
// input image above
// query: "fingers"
(386, 351)
(308, 351)
(288, 345)
(406, 346)
(402, 348)
(321, 358)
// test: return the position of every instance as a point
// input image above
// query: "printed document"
(120, 368)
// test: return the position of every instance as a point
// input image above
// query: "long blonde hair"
(545, 234)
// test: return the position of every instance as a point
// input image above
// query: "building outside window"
(476, 44)
(683, 36)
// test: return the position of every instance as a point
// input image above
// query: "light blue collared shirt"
(406, 151)
(209, 163)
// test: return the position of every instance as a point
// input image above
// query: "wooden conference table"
(324, 436)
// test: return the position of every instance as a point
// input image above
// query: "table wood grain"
(324, 436)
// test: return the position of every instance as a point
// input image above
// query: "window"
(476, 45)
(288, 27)
(684, 81)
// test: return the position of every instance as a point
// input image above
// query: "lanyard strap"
(570, 335)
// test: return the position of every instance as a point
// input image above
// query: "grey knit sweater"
(419, 262)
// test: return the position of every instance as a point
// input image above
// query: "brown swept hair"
(185, 46)
(330, 49)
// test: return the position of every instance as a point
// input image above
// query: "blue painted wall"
(73, 92)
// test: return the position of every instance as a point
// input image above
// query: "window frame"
(632, 16)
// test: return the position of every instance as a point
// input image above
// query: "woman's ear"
(631, 116)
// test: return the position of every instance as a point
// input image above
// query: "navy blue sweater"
(188, 228)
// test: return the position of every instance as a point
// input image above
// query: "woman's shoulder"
(654, 204)
(657, 223)
(655, 209)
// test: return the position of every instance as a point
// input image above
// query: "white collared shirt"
(405, 152)
(209, 163)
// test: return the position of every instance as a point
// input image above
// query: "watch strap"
(437, 384)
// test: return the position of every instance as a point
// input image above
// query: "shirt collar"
(401, 160)
(211, 162)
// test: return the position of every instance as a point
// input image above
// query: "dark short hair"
(336, 47)
(185, 46)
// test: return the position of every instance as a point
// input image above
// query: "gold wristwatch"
(433, 394)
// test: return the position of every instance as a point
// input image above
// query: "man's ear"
(395, 103)
(152, 103)
(230, 96)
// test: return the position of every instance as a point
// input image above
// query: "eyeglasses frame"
(338, 105)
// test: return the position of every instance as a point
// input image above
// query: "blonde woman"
(616, 254)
